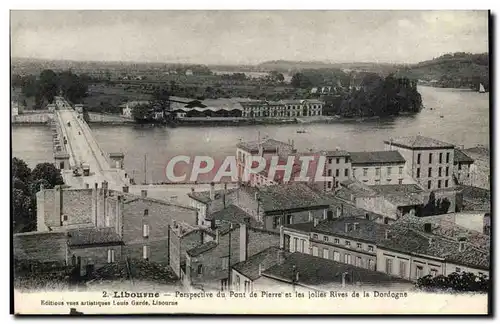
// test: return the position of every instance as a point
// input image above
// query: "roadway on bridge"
(85, 150)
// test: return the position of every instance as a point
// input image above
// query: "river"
(465, 122)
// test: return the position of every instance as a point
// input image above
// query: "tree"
(23, 216)
(47, 171)
(299, 80)
(72, 86)
(20, 170)
(48, 85)
(141, 112)
(455, 282)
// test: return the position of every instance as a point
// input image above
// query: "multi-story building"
(463, 170)
(338, 166)
(282, 108)
(428, 161)
(379, 167)
(208, 202)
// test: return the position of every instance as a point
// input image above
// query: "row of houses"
(237, 108)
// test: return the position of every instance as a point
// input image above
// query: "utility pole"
(229, 259)
(145, 170)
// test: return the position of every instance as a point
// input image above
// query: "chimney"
(341, 210)
(293, 144)
(217, 235)
(144, 193)
(260, 269)
(174, 223)
(125, 189)
(315, 222)
(355, 226)
(212, 191)
(387, 232)
(346, 227)
(243, 242)
(104, 185)
(310, 216)
(282, 238)
(461, 244)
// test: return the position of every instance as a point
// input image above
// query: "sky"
(247, 37)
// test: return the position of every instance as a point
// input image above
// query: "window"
(346, 172)
(329, 184)
(402, 269)
(429, 184)
(365, 172)
(65, 218)
(336, 241)
(303, 246)
(370, 248)
(295, 244)
(447, 172)
(237, 283)
(111, 256)
(430, 158)
(377, 171)
(329, 172)
(371, 264)
(325, 253)
(146, 212)
(336, 184)
(418, 172)
(247, 286)
(440, 157)
(315, 236)
(337, 160)
(439, 183)
(358, 262)
(400, 170)
(276, 221)
(329, 160)
(145, 230)
(388, 266)
(223, 284)
(325, 238)
(315, 250)
(419, 271)
(346, 159)
(347, 243)
(446, 183)
(338, 211)
(224, 263)
(439, 171)
(336, 256)
(448, 157)
(200, 269)
(433, 272)
(389, 170)
(337, 172)
(347, 258)
(359, 246)
(418, 158)
(400, 181)
(145, 252)
(429, 173)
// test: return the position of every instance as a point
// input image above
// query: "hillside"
(457, 70)
(286, 66)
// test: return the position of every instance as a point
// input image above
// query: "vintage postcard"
(250, 162)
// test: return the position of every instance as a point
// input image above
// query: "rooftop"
(418, 142)
(475, 198)
(200, 249)
(376, 157)
(301, 227)
(336, 153)
(93, 236)
(397, 189)
(460, 157)
(232, 214)
(268, 145)
(261, 261)
(204, 196)
(366, 230)
(288, 197)
(315, 271)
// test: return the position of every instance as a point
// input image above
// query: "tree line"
(25, 184)
(48, 84)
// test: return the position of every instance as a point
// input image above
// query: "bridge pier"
(62, 161)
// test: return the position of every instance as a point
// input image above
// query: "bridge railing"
(72, 156)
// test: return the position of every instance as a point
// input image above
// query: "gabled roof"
(262, 260)
(418, 142)
(93, 236)
(376, 157)
(460, 157)
(200, 249)
(368, 231)
(268, 145)
(232, 214)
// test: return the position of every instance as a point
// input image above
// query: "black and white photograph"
(250, 162)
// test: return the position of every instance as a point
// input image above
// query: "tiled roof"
(336, 153)
(475, 198)
(232, 214)
(314, 271)
(93, 236)
(200, 249)
(406, 199)
(397, 189)
(302, 227)
(460, 157)
(418, 142)
(268, 145)
(376, 157)
(263, 260)
(368, 231)
(204, 196)
(407, 240)
(288, 197)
